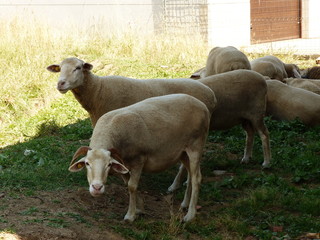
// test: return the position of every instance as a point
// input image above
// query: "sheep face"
(98, 163)
(72, 73)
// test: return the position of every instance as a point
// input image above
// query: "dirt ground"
(72, 214)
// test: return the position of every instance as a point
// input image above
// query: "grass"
(40, 130)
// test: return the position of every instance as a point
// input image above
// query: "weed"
(30, 211)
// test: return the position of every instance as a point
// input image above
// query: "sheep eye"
(77, 68)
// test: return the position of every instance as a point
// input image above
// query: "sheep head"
(72, 73)
(98, 163)
(292, 70)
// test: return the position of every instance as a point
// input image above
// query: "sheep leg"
(249, 141)
(140, 203)
(193, 184)
(265, 139)
(178, 179)
(187, 194)
(132, 187)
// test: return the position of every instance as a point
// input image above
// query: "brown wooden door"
(274, 20)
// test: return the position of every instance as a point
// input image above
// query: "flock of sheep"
(150, 125)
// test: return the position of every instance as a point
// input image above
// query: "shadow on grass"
(42, 161)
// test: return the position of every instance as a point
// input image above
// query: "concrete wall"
(229, 22)
(310, 18)
(85, 15)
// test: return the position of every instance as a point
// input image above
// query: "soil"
(73, 214)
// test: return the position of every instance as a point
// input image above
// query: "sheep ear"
(118, 167)
(81, 151)
(87, 66)
(115, 154)
(77, 166)
(296, 74)
(53, 68)
(115, 162)
(195, 75)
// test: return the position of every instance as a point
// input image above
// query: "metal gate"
(273, 20)
(185, 17)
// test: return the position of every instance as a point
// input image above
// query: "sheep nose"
(97, 187)
(61, 83)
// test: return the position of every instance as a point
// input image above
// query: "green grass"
(41, 129)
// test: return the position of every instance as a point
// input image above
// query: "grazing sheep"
(149, 136)
(99, 95)
(274, 68)
(288, 103)
(224, 59)
(307, 84)
(312, 73)
(241, 99)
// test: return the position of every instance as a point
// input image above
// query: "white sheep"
(274, 68)
(288, 103)
(241, 99)
(99, 95)
(224, 59)
(307, 84)
(149, 136)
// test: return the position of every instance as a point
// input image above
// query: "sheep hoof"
(184, 206)
(140, 211)
(188, 217)
(129, 219)
(245, 160)
(266, 165)
(172, 188)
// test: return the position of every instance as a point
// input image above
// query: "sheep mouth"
(96, 193)
(63, 91)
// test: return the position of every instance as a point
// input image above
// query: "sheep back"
(241, 94)
(288, 103)
(224, 59)
(157, 127)
(116, 92)
(269, 66)
(307, 84)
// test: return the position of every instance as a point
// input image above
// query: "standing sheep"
(224, 59)
(288, 103)
(99, 95)
(274, 68)
(241, 99)
(149, 136)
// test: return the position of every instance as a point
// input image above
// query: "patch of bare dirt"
(72, 214)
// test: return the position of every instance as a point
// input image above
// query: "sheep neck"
(88, 93)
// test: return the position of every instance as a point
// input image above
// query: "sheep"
(307, 84)
(148, 136)
(287, 103)
(223, 59)
(312, 73)
(241, 99)
(274, 68)
(99, 95)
